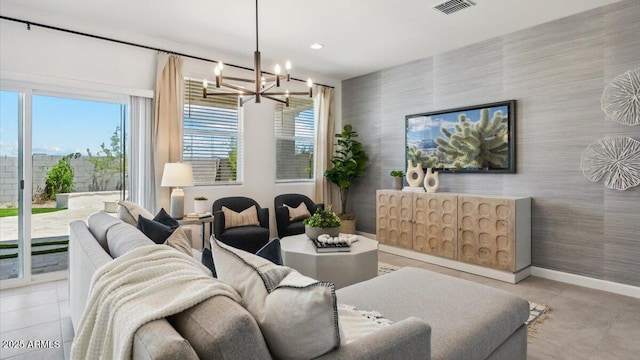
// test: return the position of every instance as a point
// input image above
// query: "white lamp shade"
(177, 174)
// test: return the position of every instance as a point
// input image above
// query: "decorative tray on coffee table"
(341, 243)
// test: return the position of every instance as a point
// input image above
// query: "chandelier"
(263, 85)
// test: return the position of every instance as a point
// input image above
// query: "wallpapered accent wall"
(557, 72)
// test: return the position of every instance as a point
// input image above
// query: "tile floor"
(36, 313)
(583, 323)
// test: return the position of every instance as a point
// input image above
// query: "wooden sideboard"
(475, 231)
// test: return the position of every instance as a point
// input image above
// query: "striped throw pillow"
(249, 216)
(179, 241)
(298, 213)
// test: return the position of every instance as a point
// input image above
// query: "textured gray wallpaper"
(556, 72)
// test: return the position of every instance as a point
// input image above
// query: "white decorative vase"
(200, 206)
(314, 232)
(431, 181)
(415, 174)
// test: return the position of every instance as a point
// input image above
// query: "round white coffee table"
(340, 268)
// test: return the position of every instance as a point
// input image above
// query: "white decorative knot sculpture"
(431, 181)
(347, 239)
(415, 174)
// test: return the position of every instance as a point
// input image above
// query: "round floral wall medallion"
(621, 98)
(617, 159)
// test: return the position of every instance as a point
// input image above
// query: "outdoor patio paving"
(51, 226)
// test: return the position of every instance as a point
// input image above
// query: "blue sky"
(60, 125)
(428, 127)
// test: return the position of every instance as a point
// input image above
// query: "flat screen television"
(472, 139)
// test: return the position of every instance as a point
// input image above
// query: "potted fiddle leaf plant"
(323, 221)
(349, 163)
(396, 177)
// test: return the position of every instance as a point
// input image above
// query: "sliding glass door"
(68, 151)
(12, 244)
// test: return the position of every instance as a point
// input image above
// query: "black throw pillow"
(166, 219)
(207, 260)
(154, 230)
(271, 252)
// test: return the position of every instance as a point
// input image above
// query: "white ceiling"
(360, 36)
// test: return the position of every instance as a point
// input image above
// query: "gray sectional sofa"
(434, 316)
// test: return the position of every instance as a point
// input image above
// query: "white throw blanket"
(356, 323)
(145, 284)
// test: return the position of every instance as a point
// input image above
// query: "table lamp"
(176, 175)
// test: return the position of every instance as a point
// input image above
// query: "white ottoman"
(340, 268)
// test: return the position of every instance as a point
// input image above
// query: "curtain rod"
(31, 23)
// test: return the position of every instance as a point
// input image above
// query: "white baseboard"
(368, 235)
(579, 280)
(597, 284)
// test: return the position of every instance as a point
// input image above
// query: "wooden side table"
(202, 222)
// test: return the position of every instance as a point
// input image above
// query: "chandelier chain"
(257, 48)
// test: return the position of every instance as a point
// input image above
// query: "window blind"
(212, 136)
(295, 140)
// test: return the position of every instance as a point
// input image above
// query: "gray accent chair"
(286, 227)
(248, 238)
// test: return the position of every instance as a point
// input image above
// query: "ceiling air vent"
(451, 6)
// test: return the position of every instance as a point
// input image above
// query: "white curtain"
(141, 173)
(324, 121)
(167, 122)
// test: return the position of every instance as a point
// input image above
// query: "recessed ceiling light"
(317, 46)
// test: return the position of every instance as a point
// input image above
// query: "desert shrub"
(40, 196)
(60, 177)
(107, 163)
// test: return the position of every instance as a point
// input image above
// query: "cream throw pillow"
(298, 213)
(297, 315)
(248, 216)
(179, 241)
(129, 212)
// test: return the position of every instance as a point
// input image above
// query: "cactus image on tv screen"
(471, 139)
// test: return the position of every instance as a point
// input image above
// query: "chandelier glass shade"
(265, 85)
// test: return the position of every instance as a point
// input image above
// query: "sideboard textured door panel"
(486, 232)
(394, 218)
(435, 224)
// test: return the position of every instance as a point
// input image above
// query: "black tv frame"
(511, 162)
